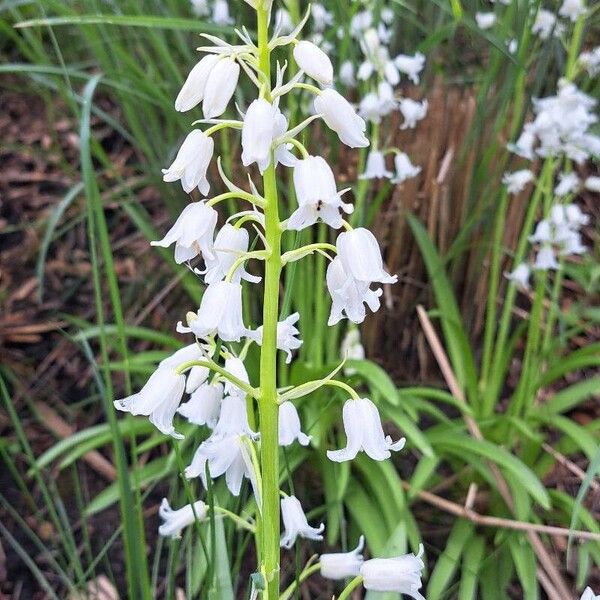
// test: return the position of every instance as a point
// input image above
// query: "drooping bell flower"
(342, 565)
(361, 256)
(175, 521)
(192, 92)
(235, 367)
(220, 312)
(257, 134)
(520, 275)
(404, 168)
(572, 9)
(588, 594)
(516, 181)
(296, 524)
(191, 163)
(485, 20)
(192, 233)
(204, 405)
(317, 195)
(220, 87)
(412, 111)
(568, 183)
(410, 65)
(227, 455)
(401, 574)
(158, 400)
(196, 375)
(229, 245)
(314, 62)
(347, 73)
(349, 295)
(375, 168)
(286, 336)
(362, 425)
(220, 14)
(545, 259)
(289, 426)
(339, 115)
(233, 419)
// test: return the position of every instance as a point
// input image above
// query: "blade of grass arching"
(591, 473)
(525, 563)
(473, 558)
(52, 222)
(133, 535)
(145, 21)
(455, 337)
(140, 333)
(26, 558)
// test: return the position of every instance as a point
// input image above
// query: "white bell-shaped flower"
(322, 18)
(317, 195)
(257, 133)
(174, 521)
(515, 182)
(235, 367)
(196, 375)
(286, 335)
(545, 259)
(524, 146)
(191, 163)
(200, 8)
(342, 565)
(544, 24)
(410, 65)
(233, 419)
(361, 256)
(314, 62)
(370, 107)
(485, 20)
(339, 115)
(204, 405)
(542, 233)
(192, 92)
(375, 168)
(520, 275)
(362, 425)
(386, 98)
(404, 168)
(351, 347)
(220, 14)
(401, 574)
(290, 427)
(365, 70)
(412, 111)
(220, 87)
(220, 312)
(158, 400)
(227, 455)
(347, 73)
(349, 295)
(568, 183)
(588, 594)
(229, 245)
(192, 233)
(572, 9)
(295, 523)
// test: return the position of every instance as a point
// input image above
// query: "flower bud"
(314, 62)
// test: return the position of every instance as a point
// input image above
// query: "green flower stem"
(267, 403)
(235, 518)
(238, 194)
(293, 255)
(554, 307)
(350, 588)
(258, 254)
(495, 380)
(213, 366)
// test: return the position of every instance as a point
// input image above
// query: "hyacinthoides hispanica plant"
(221, 394)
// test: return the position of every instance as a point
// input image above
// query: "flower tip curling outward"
(174, 521)
(588, 594)
(515, 182)
(296, 524)
(375, 168)
(404, 168)
(191, 163)
(158, 400)
(362, 425)
(342, 565)
(314, 62)
(401, 574)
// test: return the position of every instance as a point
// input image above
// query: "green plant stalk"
(492, 390)
(554, 308)
(267, 404)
